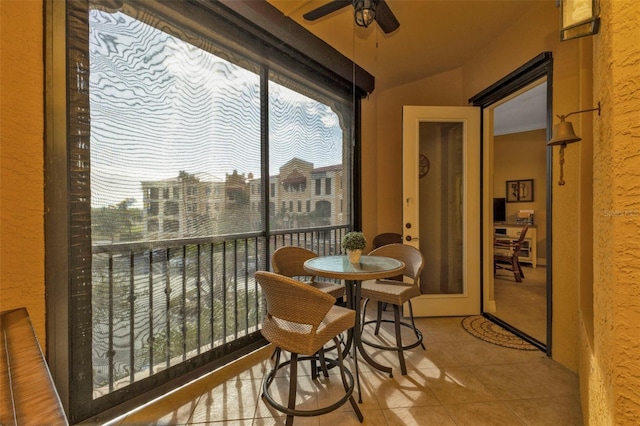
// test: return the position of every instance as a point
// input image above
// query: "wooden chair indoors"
(505, 255)
(289, 261)
(396, 294)
(300, 319)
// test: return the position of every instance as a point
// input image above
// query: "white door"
(441, 214)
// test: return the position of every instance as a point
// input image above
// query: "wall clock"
(424, 165)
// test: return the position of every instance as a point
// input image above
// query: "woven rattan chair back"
(386, 238)
(290, 300)
(411, 256)
(289, 261)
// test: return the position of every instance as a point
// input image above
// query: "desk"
(369, 268)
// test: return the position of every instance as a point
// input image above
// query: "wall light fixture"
(579, 18)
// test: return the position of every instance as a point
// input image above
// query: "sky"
(160, 105)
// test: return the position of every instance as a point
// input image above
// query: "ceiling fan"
(366, 11)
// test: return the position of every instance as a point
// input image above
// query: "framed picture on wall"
(519, 191)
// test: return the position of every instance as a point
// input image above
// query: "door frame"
(469, 301)
(535, 69)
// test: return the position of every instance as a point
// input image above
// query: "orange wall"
(22, 159)
(385, 177)
(533, 33)
(611, 355)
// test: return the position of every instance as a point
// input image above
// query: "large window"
(173, 126)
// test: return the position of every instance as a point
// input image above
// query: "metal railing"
(157, 304)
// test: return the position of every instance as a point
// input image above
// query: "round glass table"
(369, 268)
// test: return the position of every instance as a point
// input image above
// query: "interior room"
(519, 147)
(451, 63)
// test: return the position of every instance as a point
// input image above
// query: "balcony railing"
(158, 304)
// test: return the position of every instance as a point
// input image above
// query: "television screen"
(499, 210)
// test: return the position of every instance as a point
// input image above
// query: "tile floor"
(523, 305)
(458, 380)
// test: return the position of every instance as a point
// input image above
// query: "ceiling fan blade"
(326, 9)
(385, 18)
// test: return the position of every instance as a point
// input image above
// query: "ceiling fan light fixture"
(365, 12)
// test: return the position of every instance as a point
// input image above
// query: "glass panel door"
(441, 215)
(441, 207)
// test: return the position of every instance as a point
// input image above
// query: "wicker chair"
(396, 294)
(386, 238)
(289, 261)
(382, 240)
(300, 319)
(505, 255)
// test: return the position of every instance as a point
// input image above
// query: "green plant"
(354, 241)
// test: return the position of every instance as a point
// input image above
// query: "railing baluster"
(224, 292)
(260, 264)
(183, 303)
(231, 261)
(199, 298)
(235, 289)
(151, 338)
(110, 352)
(132, 312)
(212, 296)
(246, 284)
(167, 292)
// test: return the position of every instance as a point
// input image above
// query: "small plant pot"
(354, 255)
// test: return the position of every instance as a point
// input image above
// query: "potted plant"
(353, 243)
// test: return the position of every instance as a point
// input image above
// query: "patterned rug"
(487, 330)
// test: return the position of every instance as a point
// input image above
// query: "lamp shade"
(563, 134)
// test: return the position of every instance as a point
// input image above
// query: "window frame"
(66, 159)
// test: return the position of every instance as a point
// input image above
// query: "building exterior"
(194, 205)
(182, 207)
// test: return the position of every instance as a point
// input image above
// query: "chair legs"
(517, 270)
(515, 267)
(398, 323)
(290, 410)
(314, 360)
(293, 388)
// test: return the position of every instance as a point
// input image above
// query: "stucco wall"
(21, 160)
(612, 389)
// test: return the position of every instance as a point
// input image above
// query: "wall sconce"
(579, 18)
(564, 134)
(365, 12)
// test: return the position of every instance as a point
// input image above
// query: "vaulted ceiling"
(434, 35)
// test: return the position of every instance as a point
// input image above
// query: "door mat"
(487, 330)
